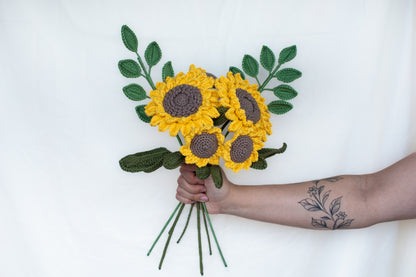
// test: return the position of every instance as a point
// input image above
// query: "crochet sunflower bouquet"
(223, 117)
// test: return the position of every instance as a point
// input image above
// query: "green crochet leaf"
(203, 172)
(129, 68)
(267, 58)
(259, 164)
(153, 54)
(265, 153)
(142, 115)
(288, 75)
(216, 176)
(146, 161)
(222, 118)
(287, 54)
(173, 160)
(129, 38)
(285, 92)
(134, 92)
(250, 66)
(167, 71)
(279, 107)
(236, 70)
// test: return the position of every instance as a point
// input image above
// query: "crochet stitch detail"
(204, 145)
(182, 100)
(249, 105)
(241, 149)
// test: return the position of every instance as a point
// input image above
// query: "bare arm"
(349, 201)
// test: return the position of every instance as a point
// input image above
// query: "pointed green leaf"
(236, 70)
(203, 172)
(279, 107)
(285, 92)
(265, 153)
(259, 164)
(216, 176)
(134, 92)
(129, 68)
(250, 66)
(129, 38)
(146, 161)
(142, 115)
(287, 54)
(167, 71)
(153, 54)
(173, 160)
(222, 118)
(267, 58)
(288, 75)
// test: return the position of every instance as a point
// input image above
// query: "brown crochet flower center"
(241, 149)
(248, 104)
(204, 145)
(182, 100)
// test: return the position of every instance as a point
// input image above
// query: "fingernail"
(203, 189)
(203, 198)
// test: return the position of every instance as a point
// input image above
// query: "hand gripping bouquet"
(212, 118)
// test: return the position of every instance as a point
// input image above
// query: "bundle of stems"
(201, 209)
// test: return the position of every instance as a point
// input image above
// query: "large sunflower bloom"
(184, 102)
(203, 146)
(242, 150)
(246, 108)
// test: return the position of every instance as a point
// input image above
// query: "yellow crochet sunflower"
(241, 151)
(246, 108)
(203, 146)
(184, 102)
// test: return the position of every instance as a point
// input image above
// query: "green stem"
(269, 89)
(147, 74)
(187, 222)
(179, 140)
(261, 88)
(164, 227)
(201, 266)
(226, 134)
(225, 125)
(170, 235)
(206, 230)
(258, 82)
(213, 234)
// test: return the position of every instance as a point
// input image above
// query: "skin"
(353, 201)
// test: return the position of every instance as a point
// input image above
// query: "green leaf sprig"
(287, 75)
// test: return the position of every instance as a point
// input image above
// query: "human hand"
(191, 189)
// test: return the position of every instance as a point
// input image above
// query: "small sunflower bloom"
(242, 150)
(184, 102)
(203, 146)
(246, 108)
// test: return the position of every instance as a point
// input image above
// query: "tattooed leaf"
(310, 205)
(325, 197)
(335, 205)
(325, 218)
(344, 224)
(319, 223)
(320, 189)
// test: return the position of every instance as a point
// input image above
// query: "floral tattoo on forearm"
(334, 218)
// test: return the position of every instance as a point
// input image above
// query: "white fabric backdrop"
(67, 209)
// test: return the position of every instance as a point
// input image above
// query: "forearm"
(331, 203)
(350, 201)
